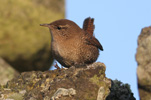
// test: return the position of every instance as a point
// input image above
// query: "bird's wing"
(91, 40)
(88, 25)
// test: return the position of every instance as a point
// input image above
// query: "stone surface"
(23, 43)
(143, 57)
(83, 83)
(88, 83)
(63, 92)
(6, 72)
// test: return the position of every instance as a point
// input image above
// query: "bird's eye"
(59, 28)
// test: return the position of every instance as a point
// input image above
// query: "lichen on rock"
(88, 83)
(36, 84)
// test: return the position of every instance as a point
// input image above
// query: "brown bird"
(71, 45)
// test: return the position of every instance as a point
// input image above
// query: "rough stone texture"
(143, 58)
(23, 43)
(6, 72)
(66, 84)
(83, 83)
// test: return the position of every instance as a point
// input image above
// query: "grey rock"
(7, 72)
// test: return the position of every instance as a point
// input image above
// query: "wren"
(71, 45)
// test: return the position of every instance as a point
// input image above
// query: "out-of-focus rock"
(65, 84)
(6, 72)
(23, 43)
(143, 58)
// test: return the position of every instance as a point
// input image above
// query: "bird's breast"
(66, 49)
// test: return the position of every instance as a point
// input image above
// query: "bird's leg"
(56, 65)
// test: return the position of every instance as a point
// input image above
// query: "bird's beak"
(45, 25)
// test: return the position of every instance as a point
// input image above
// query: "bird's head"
(63, 28)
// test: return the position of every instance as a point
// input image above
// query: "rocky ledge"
(66, 84)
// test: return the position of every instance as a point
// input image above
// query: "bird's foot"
(56, 65)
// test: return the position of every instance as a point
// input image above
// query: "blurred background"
(25, 45)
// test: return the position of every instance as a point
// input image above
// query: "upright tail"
(88, 25)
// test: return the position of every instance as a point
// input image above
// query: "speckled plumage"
(71, 45)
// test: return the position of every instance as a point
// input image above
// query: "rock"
(63, 92)
(6, 72)
(143, 57)
(65, 84)
(42, 85)
(24, 44)
(120, 91)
